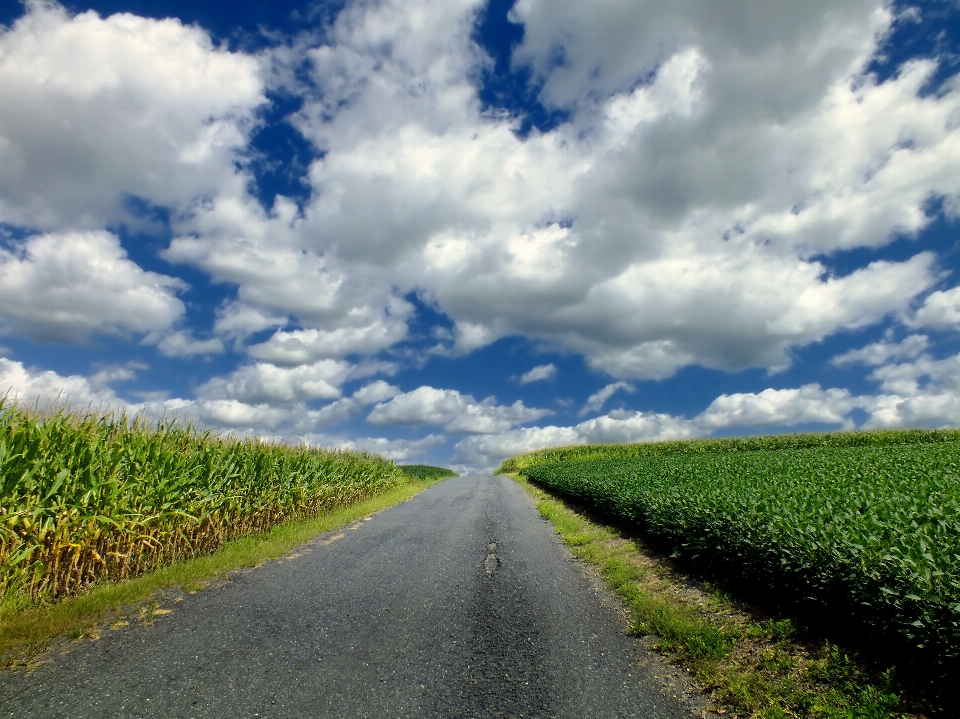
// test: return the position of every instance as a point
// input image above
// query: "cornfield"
(92, 497)
(426, 472)
(869, 534)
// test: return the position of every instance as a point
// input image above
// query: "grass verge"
(754, 666)
(27, 629)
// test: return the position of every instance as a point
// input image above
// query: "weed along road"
(459, 603)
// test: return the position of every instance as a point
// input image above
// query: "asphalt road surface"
(459, 603)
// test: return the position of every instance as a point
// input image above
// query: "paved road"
(459, 603)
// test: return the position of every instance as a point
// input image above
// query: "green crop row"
(426, 472)
(868, 438)
(869, 534)
(85, 498)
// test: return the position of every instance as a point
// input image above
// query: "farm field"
(86, 498)
(863, 528)
(426, 472)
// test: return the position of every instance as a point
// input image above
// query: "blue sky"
(453, 231)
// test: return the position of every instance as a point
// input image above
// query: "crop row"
(869, 534)
(864, 438)
(85, 498)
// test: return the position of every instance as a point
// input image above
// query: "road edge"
(28, 633)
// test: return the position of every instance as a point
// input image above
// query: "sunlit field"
(101, 497)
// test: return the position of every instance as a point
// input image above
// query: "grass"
(27, 628)
(754, 666)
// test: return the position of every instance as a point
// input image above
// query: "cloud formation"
(596, 401)
(455, 411)
(101, 110)
(688, 208)
(539, 373)
(67, 287)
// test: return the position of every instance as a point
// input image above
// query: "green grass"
(27, 627)
(425, 471)
(754, 666)
(88, 497)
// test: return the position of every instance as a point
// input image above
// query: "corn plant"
(426, 472)
(93, 497)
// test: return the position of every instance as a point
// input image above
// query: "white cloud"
(780, 407)
(607, 46)
(399, 450)
(99, 109)
(596, 401)
(266, 383)
(236, 320)
(183, 344)
(672, 220)
(243, 417)
(456, 411)
(346, 408)
(301, 346)
(66, 287)
(485, 452)
(340, 312)
(538, 373)
(43, 387)
(940, 310)
(884, 351)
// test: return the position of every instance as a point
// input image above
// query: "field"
(426, 472)
(862, 527)
(86, 498)
(878, 438)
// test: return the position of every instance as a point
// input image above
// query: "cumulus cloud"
(301, 346)
(596, 401)
(669, 222)
(30, 385)
(711, 163)
(98, 110)
(346, 408)
(399, 450)
(783, 407)
(66, 287)
(183, 344)
(457, 412)
(267, 383)
(880, 352)
(940, 310)
(538, 373)
(672, 220)
(486, 452)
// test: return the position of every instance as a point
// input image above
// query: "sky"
(449, 231)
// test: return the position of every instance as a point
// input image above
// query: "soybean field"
(102, 497)
(862, 529)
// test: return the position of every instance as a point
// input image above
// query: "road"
(461, 603)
